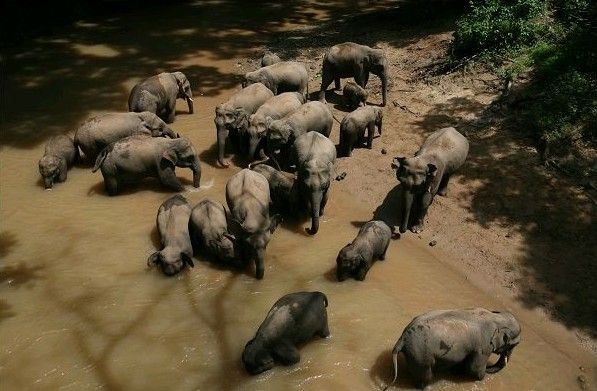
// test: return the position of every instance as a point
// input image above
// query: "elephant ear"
(274, 221)
(398, 162)
(500, 338)
(432, 177)
(153, 259)
(169, 157)
(241, 120)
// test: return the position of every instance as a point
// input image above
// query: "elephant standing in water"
(98, 132)
(427, 174)
(248, 197)
(138, 157)
(233, 116)
(158, 95)
(446, 338)
(314, 155)
(60, 153)
(353, 60)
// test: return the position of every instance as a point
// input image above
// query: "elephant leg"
(326, 80)
(424, 203)
(324, 201)
(365, 79)
(370, 132)
(477, 364)
(169, 179)
(422, 374)
(170, 113)
(286, 353)
(324, 332)
(382, 257)
(259, 265)
(443, 185)
(361, 273)
(337, 83)
(111, 184)
(62, 176)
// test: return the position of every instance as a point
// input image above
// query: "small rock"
(341, 176)
(384, 151)
(508, 235)
(432, 243)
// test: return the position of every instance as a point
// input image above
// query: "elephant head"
(505, 337)
(256, 358)
(182, 154)
(378, 65)
(51, 167)
(256, 131)
(170, 261)
(184, 89)
(347, 262)
(416, 177)
(228, 117)
(155, 124)
(279, 133)
(258, 77)
(378, 117)
(225, 247)
(314, 179)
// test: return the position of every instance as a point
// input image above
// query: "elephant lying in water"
(427, 174)
(293, 319)
(98, 132)
(173, 226)
(60, 153)
(139, 156)
(158, 95)
(446, 338)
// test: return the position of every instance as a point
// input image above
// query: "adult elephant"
(233, 115)
(137, 157)
(350, 59)
(284, 76)
(314, 155)
(158, 95)
(98, 132)
(449, 337)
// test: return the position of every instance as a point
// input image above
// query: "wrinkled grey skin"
(314, 155)
(60, 153)
(356, 258)
(248, 198)
(281, 77)
(158, 95)
(282, 188)
(233, 116)
(209, 228)
(312, 116)
(173, 225)
(137, 157)
(98, 132)
(446, 338)
(353, 126)
(269, 58)
(294, 319)
(275, 108)
(427, 174)
(353, 60)
(354, 95)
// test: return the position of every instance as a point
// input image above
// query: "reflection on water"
(80, 309)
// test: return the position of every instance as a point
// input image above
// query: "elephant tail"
(100, 159)
(397, 349)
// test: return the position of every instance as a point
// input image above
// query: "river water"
(80, 310)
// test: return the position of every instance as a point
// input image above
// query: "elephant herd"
(271, 123)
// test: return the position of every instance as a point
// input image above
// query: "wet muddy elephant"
(293, 320)
(275, 108)
(158, 95)
(248, 198)
(232, 117)
(60, 153)
(137, 157)
(98, 132)
(284, 76)
(173, 226)
(450, 337)
(209, 229)
(314, 155)
(357, 61)
(427, 174)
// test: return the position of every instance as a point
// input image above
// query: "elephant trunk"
(315, 206)
(253, 143)
(501, 363)
(48, 182)
(222, 134)
(397, 349)
(190, 104)
(196, 172)
(407, 203)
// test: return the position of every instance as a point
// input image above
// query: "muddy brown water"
(80, 310)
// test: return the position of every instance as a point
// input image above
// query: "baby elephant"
(354, 95)
(59, 155)
(447, 338)
(173, 226)
(355, 259)
(294, 319)
(209, 228)
(281, 187)
(353, 126)
(269, 58)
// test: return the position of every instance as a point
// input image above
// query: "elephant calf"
(248, 197)
(427, 174)
(280, 77)
(269, 58)
(138, 157)
(173, 226)
(281, 187)
(353, 126)
(447, 338)
(158, 95)
(60, 153)
(209, 227)
(355, 259)
(98, 132)
(294, 319)
(354, 95)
